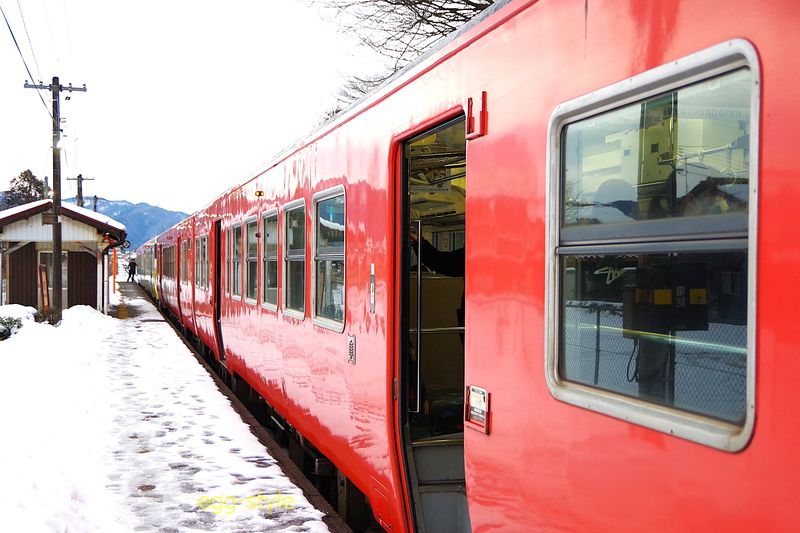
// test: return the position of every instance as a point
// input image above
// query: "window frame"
(325, 322)
(198, 280)
(246, 259)
(204, 261)
(703, 65)
(236, 291)
(228, 259)
(269, 214)
(184, 262)
(286, 257)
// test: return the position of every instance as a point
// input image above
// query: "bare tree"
(401, 30)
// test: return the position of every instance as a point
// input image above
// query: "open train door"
(432, 222)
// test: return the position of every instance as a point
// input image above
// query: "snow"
(22, 208)
(99, 217)
(111, 425)
(86, 213)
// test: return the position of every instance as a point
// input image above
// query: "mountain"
(144, 221)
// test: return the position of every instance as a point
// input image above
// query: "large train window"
(651, 278)
(251, 258)
(329, 260)
(295, 259)
(269, 267)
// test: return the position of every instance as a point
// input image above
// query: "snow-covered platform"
(113, 425)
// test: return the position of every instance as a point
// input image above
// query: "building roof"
(103, 223)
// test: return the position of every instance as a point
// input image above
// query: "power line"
(8, 25)
(30, 44)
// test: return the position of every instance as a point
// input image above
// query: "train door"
(431, 380)
(179, 276)
(216, 295)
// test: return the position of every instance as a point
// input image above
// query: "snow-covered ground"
(112, 425)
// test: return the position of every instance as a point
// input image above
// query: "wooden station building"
(26, 253)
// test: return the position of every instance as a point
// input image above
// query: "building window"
(329, 260)
(652, 210)
(251, 268)
(236, 287)
(46, 258)
(295, 259)
(270, 261)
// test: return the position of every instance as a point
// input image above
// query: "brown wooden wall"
(82, 279)
(22, 286)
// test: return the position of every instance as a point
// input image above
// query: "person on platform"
(132, 270)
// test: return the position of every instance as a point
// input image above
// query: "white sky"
(185, 97)
(139, 439)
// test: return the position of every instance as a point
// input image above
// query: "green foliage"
(9, 326)
(24, 189)
(50, 316)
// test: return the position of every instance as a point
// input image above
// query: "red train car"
(532, 282)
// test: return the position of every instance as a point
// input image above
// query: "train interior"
(433, 323)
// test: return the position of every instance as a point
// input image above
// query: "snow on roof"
(9, 213)
(99, 217)
(70, 210)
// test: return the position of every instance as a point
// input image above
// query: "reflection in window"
(653, 249)
(46, 258)
(296, 259)
(329, 258)
(270, 265)
(665, 328)
(684, 153)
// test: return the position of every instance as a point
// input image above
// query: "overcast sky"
(185, 97)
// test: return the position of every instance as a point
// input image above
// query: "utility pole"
(80, 179)
(56, 89)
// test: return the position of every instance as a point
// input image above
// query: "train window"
(229, 241)
(251, 268)
(295, 260)
(651, 280)
(329, 258)
(204, 261)
(184, 261)
(270, 261)
(169, 262)
(198, 280)
(236, 265)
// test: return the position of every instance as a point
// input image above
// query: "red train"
(597, 334)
